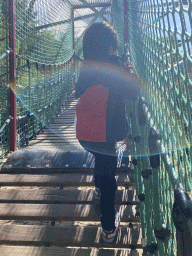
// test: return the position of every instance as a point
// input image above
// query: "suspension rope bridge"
(40, 59)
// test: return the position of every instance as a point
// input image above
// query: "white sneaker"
(110, 237)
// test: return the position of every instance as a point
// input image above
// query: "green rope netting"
(49, 34)
(44, 31)
(160, 47)
(45, 28)
(161, 53)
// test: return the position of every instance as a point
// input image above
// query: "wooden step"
(66, 116)
(67, 128)
(61, 212)
(58, 132)
(57, 180)
(52, 131)
(61, 125)
(44, 211)
(63, 121)
(63, 251)
(84, 236)
(55, 144)
(57, 196)
(33, 170)
(56, 137)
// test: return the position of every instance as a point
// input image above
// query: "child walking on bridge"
(101, 91)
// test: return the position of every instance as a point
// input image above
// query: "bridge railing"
(163, 194)
(45, 66)
(42, 90)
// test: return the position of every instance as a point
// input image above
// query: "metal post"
(12, 75)
(126, 40)
(74, 58)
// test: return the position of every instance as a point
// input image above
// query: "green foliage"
(3, 26)
(43, 45)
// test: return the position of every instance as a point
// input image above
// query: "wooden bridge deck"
(46, 199)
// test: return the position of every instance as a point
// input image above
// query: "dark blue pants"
(104, 175)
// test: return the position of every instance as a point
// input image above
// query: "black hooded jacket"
(102, 88)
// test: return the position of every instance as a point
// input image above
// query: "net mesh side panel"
(160, 46)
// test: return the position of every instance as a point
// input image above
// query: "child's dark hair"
(98, 40)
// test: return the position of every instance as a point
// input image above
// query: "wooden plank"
(58, 132)
(63, 141)
(64, 118)
(62, 251)
(67, 128)
(61, 126)
(70, 116)
(57, 180)
(66, 144)
(67, 121)
(33, 170)
(84, 236)
(61, 212)
(68, 109)
(54, 131)
(71, 110)
(48, 144)
(70, 102)
(66, 112)
(63, 121)
(56, 137)
(57, 196)
(68, 136)
(65, 148)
